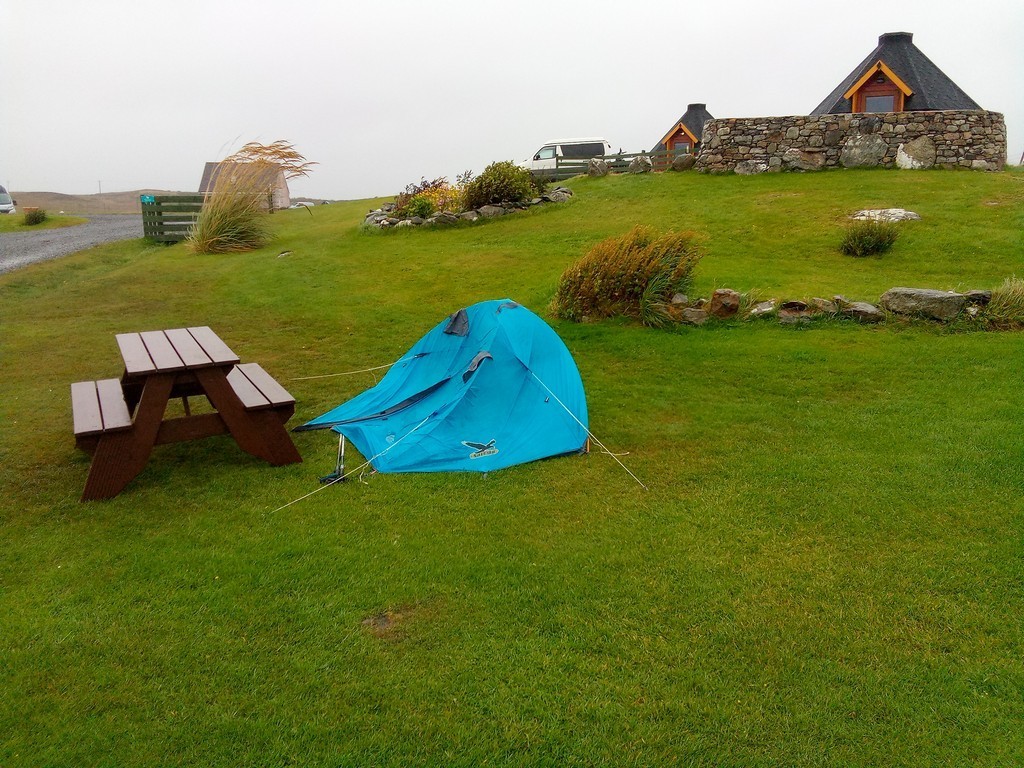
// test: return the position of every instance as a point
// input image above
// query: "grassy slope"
(826, 569)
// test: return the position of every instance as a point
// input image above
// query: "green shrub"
(1005, 311)
(866, 238)
(634, 275)
(501, 182)
(420, 205)
(35, 216)
(233, 217)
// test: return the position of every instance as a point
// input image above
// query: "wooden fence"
(567, 167)
(168, 218)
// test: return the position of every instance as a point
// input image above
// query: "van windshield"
(5, 199)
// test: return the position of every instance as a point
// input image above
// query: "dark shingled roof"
(694, 118)
(931, 86)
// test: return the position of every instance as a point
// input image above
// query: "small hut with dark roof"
(272, 179)
(685, 135)
(895, 77)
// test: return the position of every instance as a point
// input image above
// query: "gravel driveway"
(19, 249)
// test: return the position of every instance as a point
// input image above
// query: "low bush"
(233, 217)
(635, 275)
(867, 238)
(35, 216)
(501, 182)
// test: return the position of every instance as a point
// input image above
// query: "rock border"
(384, 218)
(920, 303)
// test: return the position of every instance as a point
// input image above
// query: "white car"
(302, 204)
(544, 159)
(6, 203)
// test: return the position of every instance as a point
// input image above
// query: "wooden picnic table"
(120, 421)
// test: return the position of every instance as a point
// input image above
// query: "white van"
(544, 159)
(6, 203)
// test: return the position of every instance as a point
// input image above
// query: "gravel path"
(19, 249)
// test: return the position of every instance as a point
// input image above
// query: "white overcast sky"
(118, 95)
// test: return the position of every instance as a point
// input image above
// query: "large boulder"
(490, 211)
(641, 164)
(683, 162)
(803, 160)
(597, 167)
(725, 302)
(916, 154)
(886, 214)
(863, 312)
(863, 151)
(693, 316)
(923, 302)
(750, 167)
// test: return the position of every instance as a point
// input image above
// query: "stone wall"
(948, 139)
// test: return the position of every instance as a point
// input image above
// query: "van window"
(546, 153)
(593, 149)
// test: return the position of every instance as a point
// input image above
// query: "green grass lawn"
(827, 568)
(16, 222)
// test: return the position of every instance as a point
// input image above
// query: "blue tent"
(489, 387)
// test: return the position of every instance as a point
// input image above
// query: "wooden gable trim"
(693, 139)
(879, 66)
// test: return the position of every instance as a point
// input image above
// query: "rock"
(923, 302)
(794, 315)
(442, 218)
(725, 302)
(863, 151)
(796, 305)
(683, 162)
(863, 312)
(597, 168)
(762, 309)
(825, 306)
(803, 160)
(886, 214)
(405, 223)
(389, 207)
(694, 316)
(916, 155)
(557, 196)
(979, 297)
(469, 215)
(490, 211)
(983, 165)
(567, 191)
(680, 300)
(750, 167)
(415, 220)
(641, 164)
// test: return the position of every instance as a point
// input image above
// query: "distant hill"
(104, 202)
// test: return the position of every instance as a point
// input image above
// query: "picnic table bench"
(119, 421)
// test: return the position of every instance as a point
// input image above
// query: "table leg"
(120, 456)
(258, 433)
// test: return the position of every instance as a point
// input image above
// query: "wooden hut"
(895, 77)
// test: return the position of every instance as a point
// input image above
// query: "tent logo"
(480, 449)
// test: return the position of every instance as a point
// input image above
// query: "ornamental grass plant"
(1006, 309)
(233, 217)
(634, 275)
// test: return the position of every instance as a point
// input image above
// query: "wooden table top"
(178, 349)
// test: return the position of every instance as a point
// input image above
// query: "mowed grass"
(16, 222)
(827, 567)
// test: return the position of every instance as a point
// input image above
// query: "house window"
(880, 103)
(682, 148)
